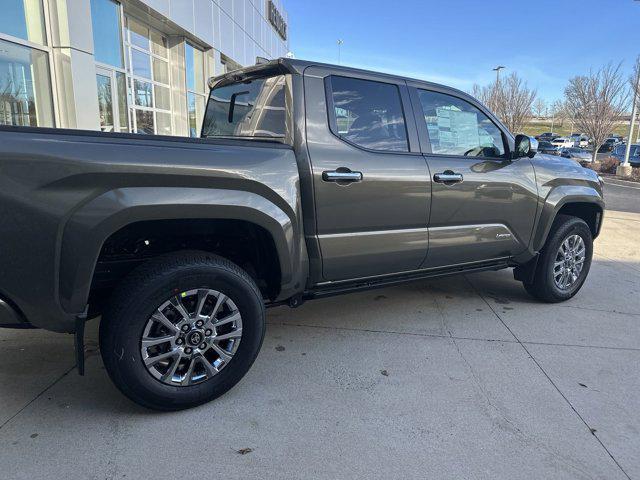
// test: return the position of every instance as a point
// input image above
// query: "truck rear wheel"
(564, 261)
(181, 330)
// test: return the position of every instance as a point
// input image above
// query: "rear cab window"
(255, 108)
(368, 114)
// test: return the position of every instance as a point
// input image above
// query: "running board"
(330, 290)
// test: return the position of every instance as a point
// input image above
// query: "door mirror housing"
(526, 146)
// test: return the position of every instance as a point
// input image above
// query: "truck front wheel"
(564, 261)
(181, 330)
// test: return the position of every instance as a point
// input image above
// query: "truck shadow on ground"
(462, 306)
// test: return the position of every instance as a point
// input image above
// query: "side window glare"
(253, 108)
(369, 114)
(458, 128)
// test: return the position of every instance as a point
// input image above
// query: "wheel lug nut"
(208, 332)
(188, 350)
(179, 341)
(199, 323)
(203, 346)
(185, 328)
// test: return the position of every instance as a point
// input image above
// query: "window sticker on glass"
(456, 127)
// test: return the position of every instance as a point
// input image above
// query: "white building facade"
(136, 66)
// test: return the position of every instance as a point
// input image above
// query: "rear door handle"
(341, 175)
(448, 177)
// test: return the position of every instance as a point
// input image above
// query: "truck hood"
(556, 170)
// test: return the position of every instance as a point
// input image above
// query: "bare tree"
(510, 99)
(557, 111)
(597, 101)
(540, 107)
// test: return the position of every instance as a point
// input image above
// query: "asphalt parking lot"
(464, 377)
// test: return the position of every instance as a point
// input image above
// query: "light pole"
(340, 42)
(497, 70)
(634, 108)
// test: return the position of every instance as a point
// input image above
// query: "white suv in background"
(580, 140)
(562, 142)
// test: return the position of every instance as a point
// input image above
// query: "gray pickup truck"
(308, 180)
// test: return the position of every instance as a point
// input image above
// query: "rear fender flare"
(90, 225)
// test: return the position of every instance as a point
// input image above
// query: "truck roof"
(296, 66)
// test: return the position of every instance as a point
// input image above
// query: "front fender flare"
(91, 224)
(557, 198)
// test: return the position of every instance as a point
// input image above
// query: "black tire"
(544, 287)
(138, 297)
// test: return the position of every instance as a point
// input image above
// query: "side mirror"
(526, 146)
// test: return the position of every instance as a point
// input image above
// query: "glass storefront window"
(105, 103)
(107, 32)
(23, 19)
(195, 68)
(195, 105)
(140, 63)
(163, 123)
(163, 97)
(121, 88)
(148, 64)
(25, 89)
(138, 34)
(158, 44)
(144, 122)
(142, 94)
(194, 63)
(160, 71)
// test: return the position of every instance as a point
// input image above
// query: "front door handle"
(448, 177)
(341, 175)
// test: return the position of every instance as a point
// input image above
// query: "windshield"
(253, 108)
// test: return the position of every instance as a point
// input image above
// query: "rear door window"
(368, 114)
(456, 127)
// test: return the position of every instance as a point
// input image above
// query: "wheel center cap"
(194, 338)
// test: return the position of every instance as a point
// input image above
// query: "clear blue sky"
(458, 42)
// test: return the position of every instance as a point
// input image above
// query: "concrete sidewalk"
(464, 377)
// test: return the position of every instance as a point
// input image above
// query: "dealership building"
(127, 65)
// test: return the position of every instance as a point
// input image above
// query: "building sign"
(276, 20)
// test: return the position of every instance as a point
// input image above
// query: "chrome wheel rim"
(569, 262)
(191, 337)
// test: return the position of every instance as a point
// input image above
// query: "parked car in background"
(578, 154)
(547, 136)
(608, 145)
(634, 154)
(548, 147)
(562, 142)
(580, 140)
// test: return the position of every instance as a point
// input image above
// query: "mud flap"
(527, 271)
(78, 342)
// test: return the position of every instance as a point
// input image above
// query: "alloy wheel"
(191, 337)
(569, 262)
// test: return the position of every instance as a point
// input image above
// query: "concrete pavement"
(464, 377)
